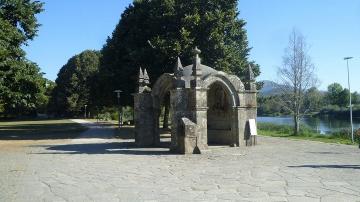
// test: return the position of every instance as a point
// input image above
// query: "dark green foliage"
(334, 94)
(72, 90)
(128, 113)
(285, 129)
(106, 116)
(22, 85)
(45, 97)
(270, 106)
(340, 112)
(152, 34)
(357, 136)
(112, 113)
(314, 100)
(337, 95)
(18, 25)
(355, 98)
(334, 102)
(305, 133)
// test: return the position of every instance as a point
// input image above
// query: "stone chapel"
(206, 107)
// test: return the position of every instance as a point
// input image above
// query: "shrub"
(274, 127)
(128, 113)
(357, 136)
(104, 116)
(112, 113)
(285, 129)
(344, 134)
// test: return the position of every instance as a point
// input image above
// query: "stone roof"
(187, 72)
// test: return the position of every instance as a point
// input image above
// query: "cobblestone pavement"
(95, 167)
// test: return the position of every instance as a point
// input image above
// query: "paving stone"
(106, 170)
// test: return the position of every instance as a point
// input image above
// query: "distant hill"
(269, 88)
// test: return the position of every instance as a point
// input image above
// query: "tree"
(314, 100)
(334, 94)
(152, 34)
(337, 95)
(45, 97)
(355, 98)
(344, 98)
(269, 106)
(296, 76)
(72, 90)
(21, 83)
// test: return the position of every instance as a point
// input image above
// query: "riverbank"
(273, 130)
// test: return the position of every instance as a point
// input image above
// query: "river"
(323, 125)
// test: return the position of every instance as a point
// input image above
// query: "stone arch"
(161, 89)
(162, 86)
(228, 85)
(222, 117)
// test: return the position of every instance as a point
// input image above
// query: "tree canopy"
(337, 95)
(153, 33)
(22, 85)
(72, 90)
(334, 101)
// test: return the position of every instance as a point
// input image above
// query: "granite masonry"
(205, 106)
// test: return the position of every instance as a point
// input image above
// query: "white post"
(351, 118)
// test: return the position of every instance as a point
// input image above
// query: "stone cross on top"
(196, 69)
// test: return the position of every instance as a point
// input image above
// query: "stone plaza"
(98, 167)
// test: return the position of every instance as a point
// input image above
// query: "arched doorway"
(219, 115)
(163, 120)
(161, 106)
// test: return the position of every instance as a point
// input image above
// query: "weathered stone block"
(144, 120)
(188, 137)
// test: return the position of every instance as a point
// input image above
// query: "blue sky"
(331, 28)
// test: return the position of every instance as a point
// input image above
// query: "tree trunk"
(297, 124)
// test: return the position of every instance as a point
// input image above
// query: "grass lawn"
(39, 129)
(286, 132)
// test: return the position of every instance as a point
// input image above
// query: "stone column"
(240, 135)
(199, 111)
(251, 104)
(179, 105)
(144, 119)
(241, 119)
(192, 105)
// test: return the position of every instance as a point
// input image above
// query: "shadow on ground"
(125, 133)
(323, 152)
(128, 148)
(328, 166)
(41, 131)
(54, 130)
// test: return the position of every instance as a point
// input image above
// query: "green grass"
(268, 129)
(39, 129)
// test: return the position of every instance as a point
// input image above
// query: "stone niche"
(206, 107)
(219, 115)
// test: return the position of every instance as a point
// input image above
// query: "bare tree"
(296, 77)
